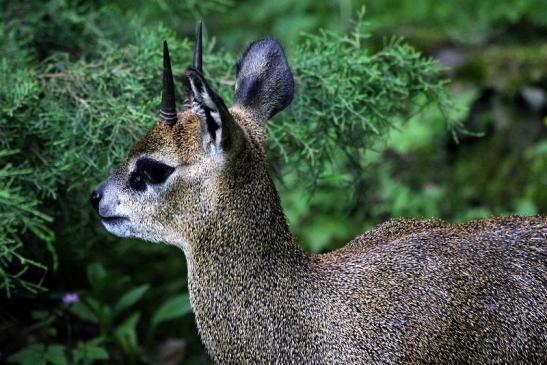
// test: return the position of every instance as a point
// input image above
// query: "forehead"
(179, 143)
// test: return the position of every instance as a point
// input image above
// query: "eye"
(149, 171)
(153, 171)
(137, 182)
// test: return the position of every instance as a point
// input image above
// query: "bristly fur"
(407, 291)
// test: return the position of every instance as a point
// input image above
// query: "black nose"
(95, 199)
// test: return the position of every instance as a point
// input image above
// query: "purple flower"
(71, 298)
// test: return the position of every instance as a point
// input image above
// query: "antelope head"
(194, 168)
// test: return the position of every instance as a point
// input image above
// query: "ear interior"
(264, 82)
(210, 109)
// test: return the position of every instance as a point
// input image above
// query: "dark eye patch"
(149, 171)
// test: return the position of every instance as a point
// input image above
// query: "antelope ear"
(216, 121)
(264, 82)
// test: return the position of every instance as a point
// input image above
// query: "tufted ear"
(264, 82)
(217, 127)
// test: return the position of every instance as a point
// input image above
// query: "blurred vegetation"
(372, 134)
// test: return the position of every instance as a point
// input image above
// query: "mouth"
(114, 219)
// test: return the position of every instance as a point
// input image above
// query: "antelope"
(407, 291)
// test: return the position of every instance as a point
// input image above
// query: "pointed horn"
(197, 50)
(168, 109)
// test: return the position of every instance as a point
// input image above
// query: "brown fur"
(407, 291)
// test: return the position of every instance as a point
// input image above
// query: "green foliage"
(83, 115)
(88, 352)
(130, 298)
(85, 353)
(126, 338)
(427, 23)
(348, 100)
(19, 203)
(173, 308)
(114, 321)
(39, 354)
(465, 21)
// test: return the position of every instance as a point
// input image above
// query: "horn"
(197, 64)
(168, 109)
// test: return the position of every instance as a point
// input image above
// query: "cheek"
(181, 203)
(178, 198)
(138, 206)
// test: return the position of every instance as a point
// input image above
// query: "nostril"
(95, 199)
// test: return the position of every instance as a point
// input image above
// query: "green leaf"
(130, 298)
(126, 336)
(39, 315)
(55, 354)
(42, 319)
(172, 308)
(96, 275)
(88, 352)
(85, 312)
(30, 355)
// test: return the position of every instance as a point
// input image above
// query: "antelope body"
(415, 292)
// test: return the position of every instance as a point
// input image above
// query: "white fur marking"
(208, 101)
(216, 117)
(193, 86)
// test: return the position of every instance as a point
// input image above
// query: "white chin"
(120, 229)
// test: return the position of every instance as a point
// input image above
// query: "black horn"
(168, 110)
(197, 64)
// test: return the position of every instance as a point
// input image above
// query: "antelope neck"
(252, 232)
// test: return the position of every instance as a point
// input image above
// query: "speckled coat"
(406, 292)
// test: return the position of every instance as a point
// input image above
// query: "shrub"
(70, 118)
